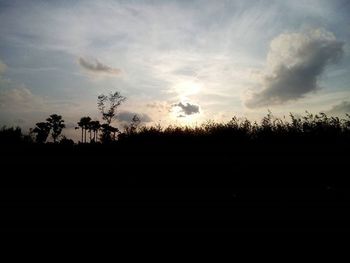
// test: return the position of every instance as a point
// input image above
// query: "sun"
(185, 90)
(188, 88)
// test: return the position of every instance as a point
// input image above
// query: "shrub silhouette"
(66, 141)
(133, 126)
(309, 128)
(13, 136)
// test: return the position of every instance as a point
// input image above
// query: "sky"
(177, 62)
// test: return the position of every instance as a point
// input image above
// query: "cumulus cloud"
(295, 62)
(97, 67)
(340, 109)
(126, 116)
(186, 108)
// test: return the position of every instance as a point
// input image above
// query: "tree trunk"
(82, 135)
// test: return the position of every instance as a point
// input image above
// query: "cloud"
(19, 99)
(19, 103)
(126, 116)
(71, 125)
(340, 109)
(187, 108)
(16, 100)
(295, 62)
(161, 107)
(97, 67)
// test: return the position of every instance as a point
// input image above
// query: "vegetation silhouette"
(13, 136)
(94, 127)
(222, 176)
(289, 168)
(108, 105)
(306, 128)
(84, 126)
(303, 129)
(56, 123)
(42, 131)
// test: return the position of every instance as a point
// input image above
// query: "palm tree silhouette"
(95, 126)
(56, 123)
(84, 124)
(113, 130)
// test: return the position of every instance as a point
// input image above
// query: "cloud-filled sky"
(177, 62)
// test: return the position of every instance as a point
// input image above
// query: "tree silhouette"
(81, 126)
(89, 129)
(95, 126)
(57, 125)
(108, 133)
(108, 106)
(113, 131)
(42, 131)
(84, 124)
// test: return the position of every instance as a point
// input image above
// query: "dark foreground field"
(266, 187)
(232, 193)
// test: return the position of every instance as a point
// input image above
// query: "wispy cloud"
(295, 62)
(97, 67)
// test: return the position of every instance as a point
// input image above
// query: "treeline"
(307, 127)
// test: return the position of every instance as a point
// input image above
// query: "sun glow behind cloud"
(187, 88)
